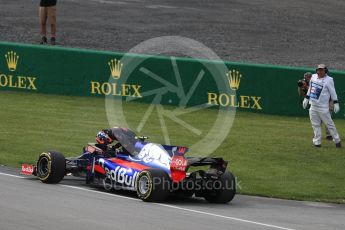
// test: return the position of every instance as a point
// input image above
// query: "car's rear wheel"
(226, 192)
(51, 167)
(153, 185)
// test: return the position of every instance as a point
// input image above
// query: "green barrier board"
(156, 79)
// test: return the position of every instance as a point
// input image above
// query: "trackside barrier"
(167, 80)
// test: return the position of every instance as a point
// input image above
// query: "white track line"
(168, 206)
(99, 192)
(224, 217)
(5, 174)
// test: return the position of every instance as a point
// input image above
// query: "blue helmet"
(103, 138)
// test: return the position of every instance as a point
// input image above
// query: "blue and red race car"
(154, 171)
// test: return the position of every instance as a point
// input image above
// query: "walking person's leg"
(328, 134)
(326, 118)
(43, 14)
(52, 22)
(316, 124)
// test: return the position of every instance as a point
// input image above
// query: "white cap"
(321, 66)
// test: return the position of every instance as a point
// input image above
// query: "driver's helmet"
(103, 138)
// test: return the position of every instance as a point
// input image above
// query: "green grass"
(271, 155)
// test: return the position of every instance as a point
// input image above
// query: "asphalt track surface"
(26, 203)
(291, 32)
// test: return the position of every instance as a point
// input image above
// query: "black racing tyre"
(51, 167)
(227, 191)
(153, 185)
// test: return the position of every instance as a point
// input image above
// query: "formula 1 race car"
(154, 171)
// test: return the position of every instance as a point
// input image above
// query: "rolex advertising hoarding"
(13, 79)
(151, 79)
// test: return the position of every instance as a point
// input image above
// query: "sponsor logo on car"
(121, 175)
(154, 153)
(27, 169)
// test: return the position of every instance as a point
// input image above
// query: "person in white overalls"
(321, 90)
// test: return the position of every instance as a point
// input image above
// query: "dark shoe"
(43, 40)
(329, 138)
(338, 145)
(52, 41)
(318, 146)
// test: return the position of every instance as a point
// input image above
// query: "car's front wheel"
(51, 167)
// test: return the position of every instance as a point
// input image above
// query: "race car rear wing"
(213, 161)
(179, 166)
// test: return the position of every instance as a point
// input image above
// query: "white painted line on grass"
(168, 206)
